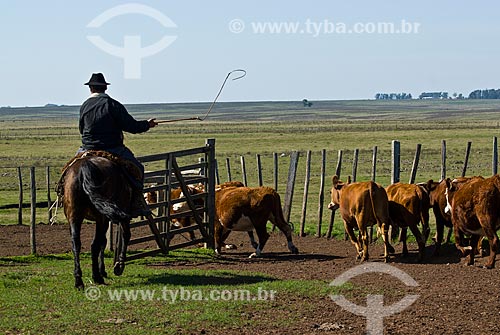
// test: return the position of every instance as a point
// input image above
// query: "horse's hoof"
(254, 255)
(118, 268)
(98, 280)
(79, 284)
(390, 249)
(104, 274)
(231, 247)
(295, 250)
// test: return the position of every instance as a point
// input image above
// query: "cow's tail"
(373, 189)
(92, 179)
(278, 213)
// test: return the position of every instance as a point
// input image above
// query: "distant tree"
(307, 103)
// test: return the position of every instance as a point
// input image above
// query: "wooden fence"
(290, 181)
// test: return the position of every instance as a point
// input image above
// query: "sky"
(181, 51)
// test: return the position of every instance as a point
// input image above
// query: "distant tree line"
(393, 96)
(485, 94)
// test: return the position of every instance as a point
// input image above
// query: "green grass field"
(37, 295)
(43, 137)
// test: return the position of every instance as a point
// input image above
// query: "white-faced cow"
(246, 209)
(362, 204)
(475, 211)
(409, 205)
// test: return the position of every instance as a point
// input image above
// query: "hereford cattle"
(408, 205)
(246, 209)
(437, 197)
(182, 207)
(362, 204)
(475, 212)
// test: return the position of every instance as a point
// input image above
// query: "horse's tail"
(92, 180)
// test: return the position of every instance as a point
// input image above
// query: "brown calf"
(362, 204)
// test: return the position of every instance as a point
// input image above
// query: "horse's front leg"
(121, 248)
(76, 246)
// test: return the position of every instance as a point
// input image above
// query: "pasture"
(36, 293)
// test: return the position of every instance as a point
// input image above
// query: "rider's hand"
(152, 123)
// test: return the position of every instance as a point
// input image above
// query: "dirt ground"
(452, 298)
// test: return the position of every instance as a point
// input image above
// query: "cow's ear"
(335, 180)
(448, 183)
(430, 185)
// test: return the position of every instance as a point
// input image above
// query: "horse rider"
(102, 123)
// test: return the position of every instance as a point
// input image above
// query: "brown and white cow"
(362, 204)
(437, 199)
(437, 196)
(475, 212)
(408, 205)
(248, 209)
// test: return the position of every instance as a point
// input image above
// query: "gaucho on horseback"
(102, 123)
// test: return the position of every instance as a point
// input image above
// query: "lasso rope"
(197, 118)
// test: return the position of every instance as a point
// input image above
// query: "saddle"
(129, 168)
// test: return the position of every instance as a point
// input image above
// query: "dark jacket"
(102, 122)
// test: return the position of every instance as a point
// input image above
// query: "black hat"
(97, 79)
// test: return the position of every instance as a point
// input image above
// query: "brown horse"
(97, 189)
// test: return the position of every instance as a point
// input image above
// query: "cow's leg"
(459, 242)
(364, 241)
(494, 245)
(263, 236)
(252, 240)
(122, 252)
(438, 238)
(101, 227)
(426, 229)
(420, 241)
(287, 231)
(388, 248)
(354, 240)
(474, 239)
(76, 247)
(219, 236)
(403, 238)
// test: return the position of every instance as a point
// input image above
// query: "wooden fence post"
(243, 171)
(321, 192)
(228, 167)
(259, 170)
(338, 169)
(396, 168)
(414, 167)
(339, 164)
(275, 170)
(494, 163)
(443, 159)
(292, 172)
(306, 191)
(211, 193)
(49, 202)
(33, 211)
(355, 165)
(20, 210)
(466, 160)
(396, 161)
(374, 163)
